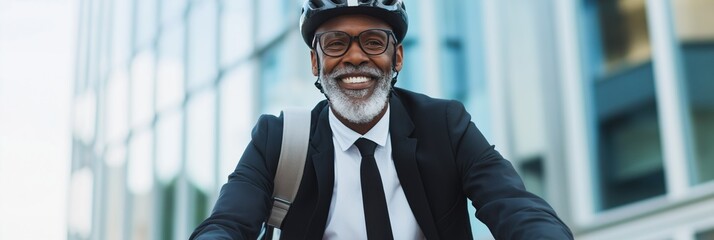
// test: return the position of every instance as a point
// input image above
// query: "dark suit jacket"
(441, 159)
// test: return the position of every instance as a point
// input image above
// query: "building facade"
(604, 106)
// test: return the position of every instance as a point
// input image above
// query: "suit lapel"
(323, 161)
(404, 155)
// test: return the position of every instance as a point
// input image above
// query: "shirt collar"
(346, 137)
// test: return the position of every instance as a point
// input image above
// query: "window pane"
(693, 18)
(170, 70)
(270, 23)
(202, 47)
(236, 33)
(142, 214)
(122, 33)
(142, 89)
(452, 51)
(409, 76)
(698, 59)
(269, 78)
(630, 154)
(623, 33)
(140, 176)
(115, 212)
(169, 138)
(117, 108)
(707, 235)
(172, 11)
(167, 215)
(453, 70)
(85, 115)
(533, 176)
(237, 117)
(140, 184)
(630, 161)
(200, 137)
(146, 23)
(201, 206)
(80, 202)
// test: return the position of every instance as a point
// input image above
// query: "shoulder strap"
(293, 152)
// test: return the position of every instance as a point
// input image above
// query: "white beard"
(350, 103)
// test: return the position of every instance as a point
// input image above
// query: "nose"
(354, 55)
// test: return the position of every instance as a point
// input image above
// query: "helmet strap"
(395, 73)
(318, 83)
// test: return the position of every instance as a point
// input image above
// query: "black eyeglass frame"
(390, 37)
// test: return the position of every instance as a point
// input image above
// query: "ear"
(399, 58)
(313, 60)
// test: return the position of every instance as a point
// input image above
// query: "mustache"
(351, 70)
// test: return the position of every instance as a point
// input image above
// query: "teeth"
(355, 79)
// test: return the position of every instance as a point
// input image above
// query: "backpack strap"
(293, 153)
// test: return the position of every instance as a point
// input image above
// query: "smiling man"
(383, 162)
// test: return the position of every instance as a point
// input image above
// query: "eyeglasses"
(336, 43)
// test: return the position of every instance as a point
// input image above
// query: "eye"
(335, 44)
(373, 43)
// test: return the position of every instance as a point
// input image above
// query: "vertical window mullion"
(578, 128)
(670, 94)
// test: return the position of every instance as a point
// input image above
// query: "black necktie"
(376, 215)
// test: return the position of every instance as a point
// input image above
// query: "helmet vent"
(389, 2)
(316, 4)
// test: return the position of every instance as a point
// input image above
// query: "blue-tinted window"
(270, 78)
(172, 11)
(170, 69)
(705, 235)
(630, 153)
(236, 31)
(698, 59)
(455, 84)
(697, 50)
(146, 24)
(533, 175)
(271, 19)
(142, 88)
(121, 33)
(630, 157)
(237, 108)
(201, 140)
(452, 50)
(116, 110)
(630, 160)
(169, 145)
(409, 77)
(202, 44)
(140, 183)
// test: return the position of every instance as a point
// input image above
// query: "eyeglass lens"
(372, 42)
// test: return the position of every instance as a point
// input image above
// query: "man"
(383, 162)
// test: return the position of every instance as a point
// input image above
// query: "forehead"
(353, 24)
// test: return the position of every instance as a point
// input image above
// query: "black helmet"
(316, 12)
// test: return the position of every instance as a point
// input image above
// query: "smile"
(352, 80)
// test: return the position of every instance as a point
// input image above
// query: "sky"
(36, 72)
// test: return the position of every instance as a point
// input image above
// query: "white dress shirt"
(346, 216)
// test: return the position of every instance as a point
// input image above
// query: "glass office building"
(604, 106)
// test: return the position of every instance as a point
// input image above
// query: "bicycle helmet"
(316, 12)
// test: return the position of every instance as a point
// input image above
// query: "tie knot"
(366, 147)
